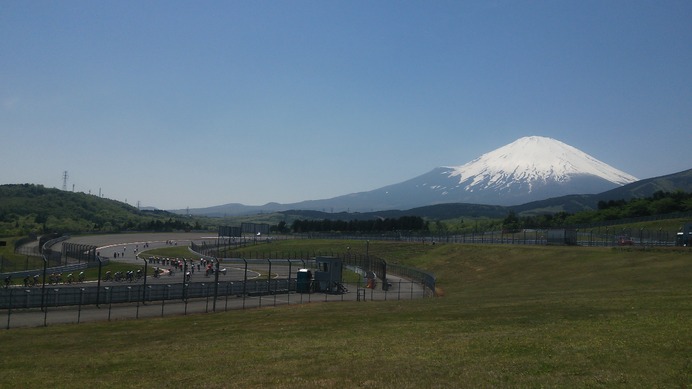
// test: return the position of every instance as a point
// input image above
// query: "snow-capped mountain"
(529, 169)
(532, 159)
(533, 168)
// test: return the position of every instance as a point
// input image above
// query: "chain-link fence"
(604, 236)
(51, 304)
(367, 263)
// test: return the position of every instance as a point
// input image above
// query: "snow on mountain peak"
(533, 159)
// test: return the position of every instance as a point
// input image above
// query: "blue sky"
(180, 104)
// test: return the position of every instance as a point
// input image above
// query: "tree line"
(29, 208)
(404, 223)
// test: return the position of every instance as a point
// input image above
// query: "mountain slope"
(530, 169)
(534, 159)
(681, 181)
(533, 168)
(29, 208)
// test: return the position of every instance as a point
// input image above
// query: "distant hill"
(681, 181)
(436, 212)
(33, 208)
(645, 188)
(26, 208)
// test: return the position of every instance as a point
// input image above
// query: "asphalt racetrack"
(127, 246)
(223, 298)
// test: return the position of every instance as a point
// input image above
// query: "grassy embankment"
(509, 316)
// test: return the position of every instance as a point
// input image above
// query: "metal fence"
(603, 236)
(25, 307)
(366, 262)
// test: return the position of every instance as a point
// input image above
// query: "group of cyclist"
(56, 278)
(173, 265)
(120, 276)
(53, 279)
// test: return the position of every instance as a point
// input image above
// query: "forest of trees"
(660, 203)
(29, 208)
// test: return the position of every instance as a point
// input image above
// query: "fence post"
(98, 283)
(137, 311)
(79, 309)
(144, 289)
(43, 288)
(244, 283)
(185, 279)
(9, 310)
(163, 302)
(229, 289)
(206, 295)
(288, 286)
(109, 292)
(216, 284)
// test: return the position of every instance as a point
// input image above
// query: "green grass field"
(507, 316)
